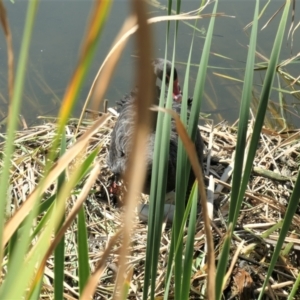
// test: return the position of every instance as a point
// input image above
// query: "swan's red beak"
(177, 96)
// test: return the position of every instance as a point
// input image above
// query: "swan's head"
(158, 67)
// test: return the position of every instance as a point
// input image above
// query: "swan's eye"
(122, 154)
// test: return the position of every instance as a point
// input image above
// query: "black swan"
(121, 135)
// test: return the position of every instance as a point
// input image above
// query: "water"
(57, 38)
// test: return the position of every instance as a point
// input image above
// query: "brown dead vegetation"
(271, 184)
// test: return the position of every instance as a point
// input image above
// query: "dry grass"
(252, 246)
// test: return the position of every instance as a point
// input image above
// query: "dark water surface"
(58, 33)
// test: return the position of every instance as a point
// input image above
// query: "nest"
(265, 203)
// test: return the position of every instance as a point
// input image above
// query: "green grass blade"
(189, 251)
(222, 264)
(14, 112)
(200, 80)
(59, 253)
(36, 293)
(263, 104)
(177, 243)
(242, 131)
(161, 186)
(295, 289)
(59, 264)
(17, 260)
(153, 203)
(182, 176)
(11, 246)
(193, 127)
(243, 119)
(83, 252)
(44, 206)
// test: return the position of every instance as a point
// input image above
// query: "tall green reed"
(158, 184)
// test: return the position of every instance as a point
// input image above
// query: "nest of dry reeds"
(269, 189)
